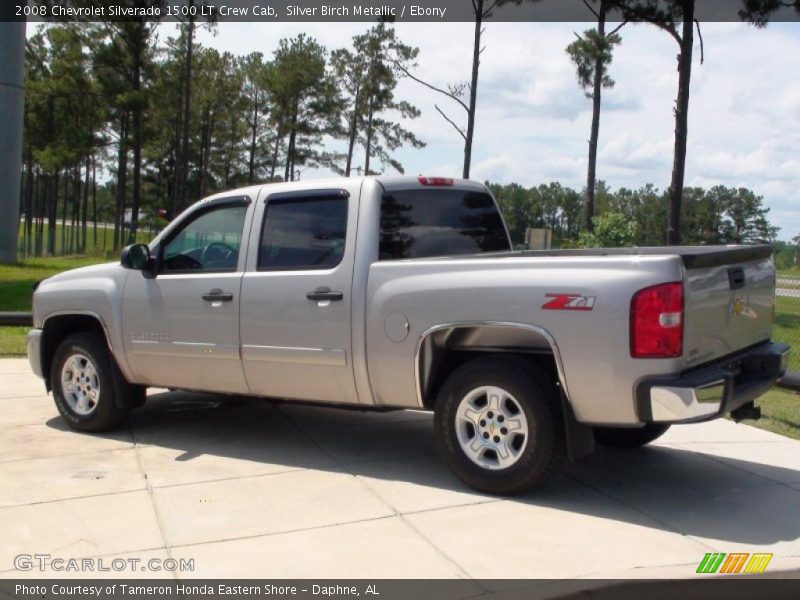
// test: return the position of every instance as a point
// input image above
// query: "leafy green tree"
(702, 217)
(188, 26)
(369, 74)
(307, 98)
(745, 219)
(350, 68)
(611, 230)
(256, 89)
(592, 54)
(126, 55)
(63, 116)
(221, 131)
(758, 12)
(677, 18)
(515, 203)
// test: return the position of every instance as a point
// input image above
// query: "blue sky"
(533, 118)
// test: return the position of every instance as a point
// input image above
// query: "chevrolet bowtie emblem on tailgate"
(569, 302)
(741, 308)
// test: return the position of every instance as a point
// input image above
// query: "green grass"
(780, 413)
(12, 341)
(787, 327)
(16, 281)
(104, 244)
(16, 292)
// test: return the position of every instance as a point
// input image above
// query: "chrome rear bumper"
(710, 392)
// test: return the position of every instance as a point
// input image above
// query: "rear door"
(729, 303)
(297, 298)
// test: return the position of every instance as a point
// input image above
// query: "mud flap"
(579, 437)
(126, 395)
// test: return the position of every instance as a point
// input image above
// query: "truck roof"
(388, 183)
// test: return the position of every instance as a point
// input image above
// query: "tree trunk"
(201, 164)
(122, 169)
(473, 88)
(76, 209)
(64, 212)
(40, 201)
(183, 180)
(681, 126)
(85, 207)
(52, 214)
(368, 145)
(597, 98)
(29, 205)
(353, 133)
(278, 140)
(173, 185)
(137, 139)
(94, 198)
(251, 176)
(289, 171)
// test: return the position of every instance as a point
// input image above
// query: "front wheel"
(619, 437)
(83, 380)
(498, 425)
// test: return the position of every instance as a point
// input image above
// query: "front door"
(182, 327)
(296, 296)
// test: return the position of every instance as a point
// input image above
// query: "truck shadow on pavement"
(188, 438)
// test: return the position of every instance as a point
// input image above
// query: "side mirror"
(137, 257)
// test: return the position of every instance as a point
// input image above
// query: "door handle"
(322, 294)
(217, 295)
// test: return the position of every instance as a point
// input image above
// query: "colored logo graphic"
(736, 562)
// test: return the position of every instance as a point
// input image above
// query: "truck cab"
(405, 293)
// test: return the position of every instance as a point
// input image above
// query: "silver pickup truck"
(404, 293)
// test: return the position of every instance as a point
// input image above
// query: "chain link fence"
(787, 314)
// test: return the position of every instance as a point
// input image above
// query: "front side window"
(437, 222)
(303, 233)
(209, 242)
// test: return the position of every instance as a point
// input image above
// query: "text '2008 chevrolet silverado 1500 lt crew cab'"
(404, 293)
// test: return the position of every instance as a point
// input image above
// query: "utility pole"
(12, 110)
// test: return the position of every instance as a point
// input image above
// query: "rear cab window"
(424, 223)
(304, 231)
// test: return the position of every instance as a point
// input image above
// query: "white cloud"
(533, 118)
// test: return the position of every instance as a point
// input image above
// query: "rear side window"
(303, 233)
(426, 223)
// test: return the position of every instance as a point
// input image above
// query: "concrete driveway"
(251, 489)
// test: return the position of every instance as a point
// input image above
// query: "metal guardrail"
(791, 380)
(16, 319)
(787, 323)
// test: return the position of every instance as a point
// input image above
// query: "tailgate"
(730, 293)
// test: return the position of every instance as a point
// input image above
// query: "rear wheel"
(88, 389)
(498, 425)
(618, 437)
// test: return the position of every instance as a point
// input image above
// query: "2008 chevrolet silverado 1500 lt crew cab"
(404, 293)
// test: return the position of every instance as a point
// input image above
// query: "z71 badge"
(569, 302)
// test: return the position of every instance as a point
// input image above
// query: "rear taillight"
(657, 321)
(436, 181)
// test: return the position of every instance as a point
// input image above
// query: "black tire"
(116, 396)
(622, 438)
(535, 393)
